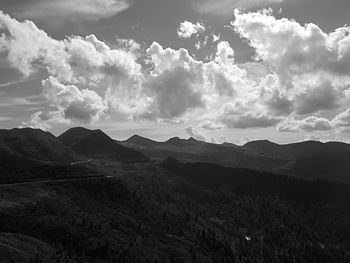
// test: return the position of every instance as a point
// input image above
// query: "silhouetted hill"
(141, 141)
(176, 141)
(264, 146)
(297, 150)
(73, 135)
(198, 151)
(309, 159)
(35, 144)
(96, 144)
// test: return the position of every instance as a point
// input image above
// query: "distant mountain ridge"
(198, 151)
(309, 159)
(297, 150)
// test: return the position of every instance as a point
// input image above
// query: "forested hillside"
(153, 214)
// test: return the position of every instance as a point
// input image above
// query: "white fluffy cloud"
(80, 105)
(212, 126)
(309, 124)
(312, 66)
(188, 29)
(45, 120)
(85, 73)
(179, 83)
(87, 79)
(199, 135)
(72, 9)
(342, 121)
(300, 73)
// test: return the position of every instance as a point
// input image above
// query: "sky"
(218, 71)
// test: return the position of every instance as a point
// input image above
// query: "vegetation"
(14, 169)
(153, 215)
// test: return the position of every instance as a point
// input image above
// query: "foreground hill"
(176, 213)
(96, 144)
(35, 144)
(197, 151)
(167, 212)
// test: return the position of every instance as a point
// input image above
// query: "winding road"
(55, 181)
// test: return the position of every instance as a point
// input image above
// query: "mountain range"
(309, 159)
(85, 197)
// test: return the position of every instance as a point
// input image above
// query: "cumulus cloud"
(212, 125)
(299, 71)
(342, 121)
(179, 83)
(309, 124)
(292, 49)
(312, 67)
(86, 75)
(45, 120)
(187, 29)
(20, 56)
(216, 38)
(87, 79)
(249, 120)
(72, 9)
(81, 105)
(199, 135)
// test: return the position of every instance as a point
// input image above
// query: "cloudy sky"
(224, 70)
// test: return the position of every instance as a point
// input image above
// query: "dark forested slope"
(35, 144)
(154, 214)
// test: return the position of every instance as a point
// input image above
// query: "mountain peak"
(137, 137)
(97, 144)
(174, 139)
(139, 140)
(72, 135)
(260, 142)
(191, 139)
